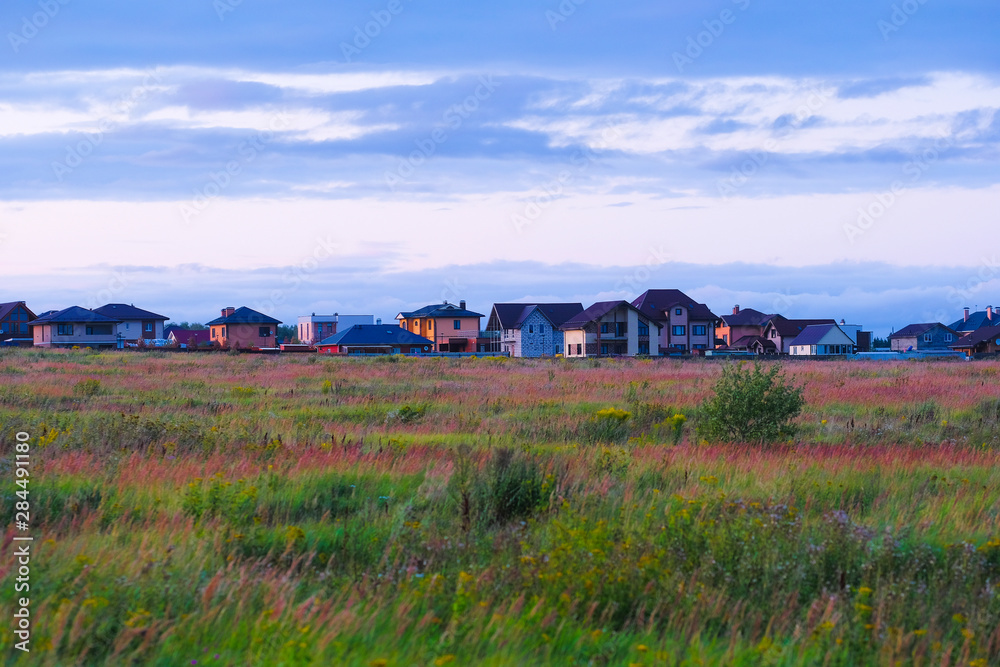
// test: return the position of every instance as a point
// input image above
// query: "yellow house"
(452, 328)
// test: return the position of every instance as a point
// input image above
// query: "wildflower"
(823, 422)
(920, 633)
(864, 590)
(967, 633)
(641, 648)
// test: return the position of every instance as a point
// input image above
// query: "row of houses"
(658, 322)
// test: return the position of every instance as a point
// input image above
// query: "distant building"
(14, 318)
(927, 336)
(746, 323)
(782, 331)
(375, 339)
(684, 324)
(977, 320)
(822, 339)
(74, 326)
(452, 328)
(984, 340)
(243, 328)
(528, 329)
(610, 329)
(314, 328)
(189, 338)
(134, 324)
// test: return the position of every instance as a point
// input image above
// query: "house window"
(604, 327)
(927, 338)
(64, 330)
(223, 332)
(264, 332)
(126, 326)
(643, 348)
(541, 328)
(643, 329)
(430, 324)
(679, 311)
(698, 330)
(149, 327)
(457, 324)
(531, 328)
(948, 338)
(678, 330)
(774, 333)
(604, 349)
(3, 327)
(213, 332)
(99, 330)
(681, 347)
(698, 347)
(579, 348)
(621, 328)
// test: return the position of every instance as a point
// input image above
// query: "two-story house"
(243, 327)
(314, 328)
(74, 326)
(984, 340)
(685, 325)
(977, 320)
(134, 324)
(14, 319)
(453, 328)
(529, 329)
(746, 323)
(927, 336)
(608, 329)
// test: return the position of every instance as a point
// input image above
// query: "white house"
(134, 323)
(822, 339)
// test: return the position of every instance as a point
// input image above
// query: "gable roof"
(978, 336)
(746, 317)
(599, 310)
(815, 333)
(513, 315)
(747, 341)
(976, 320)
(375, 335)
(72, 315)
(244, 315)
(911, 330)
(653, 302)
(791, 328)
(440, 310)
(189, 336)
(124, 311)
(6, 308)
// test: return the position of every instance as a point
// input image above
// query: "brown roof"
(976, 337)
(653, 302)
(791, 328)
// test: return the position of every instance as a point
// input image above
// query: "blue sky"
(840, 158)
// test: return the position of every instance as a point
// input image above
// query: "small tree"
(751, 405)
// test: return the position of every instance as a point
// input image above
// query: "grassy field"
(251, 510)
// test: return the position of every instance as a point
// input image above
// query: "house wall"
(133, 330)
(537, 337)
(939, 341)
(571, 339)
(243, 335)
(46, 335)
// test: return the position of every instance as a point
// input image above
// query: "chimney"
(842, 322)
(989, 313)
(461, 304)
(966, 313)
(379, 321)
(736, 309)
(227, 311)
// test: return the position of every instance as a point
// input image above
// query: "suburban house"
(984, 340)
(684, 324)
(746, 323)
(753, 345)
(610, 328)
(134, 324)
(14, 318)
(375, 339)
(451, 328)
(973, 321)
(314, 328)
(927, 336)
(782, 331)
(186, 338)
(821, 339)
(529, 329)
(243, 328)
(74, 326)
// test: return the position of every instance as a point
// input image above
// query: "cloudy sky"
(812, 158)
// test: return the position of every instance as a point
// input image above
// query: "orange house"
(452, 328)
(243, 328)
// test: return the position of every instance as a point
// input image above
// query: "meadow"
(251, 510)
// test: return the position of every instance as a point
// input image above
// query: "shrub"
(511, 488)
(608, 426)
(751, 405)
(87, 388)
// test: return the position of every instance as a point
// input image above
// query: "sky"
(814, 159)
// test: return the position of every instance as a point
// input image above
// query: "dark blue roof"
(375, 335)
(244, 315)
(72, 315)
(441, 310)
(124, 311)
(814, 333)
(513, 315)
(976, 320)
(911, 330)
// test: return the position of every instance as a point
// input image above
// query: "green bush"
(751, 405)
